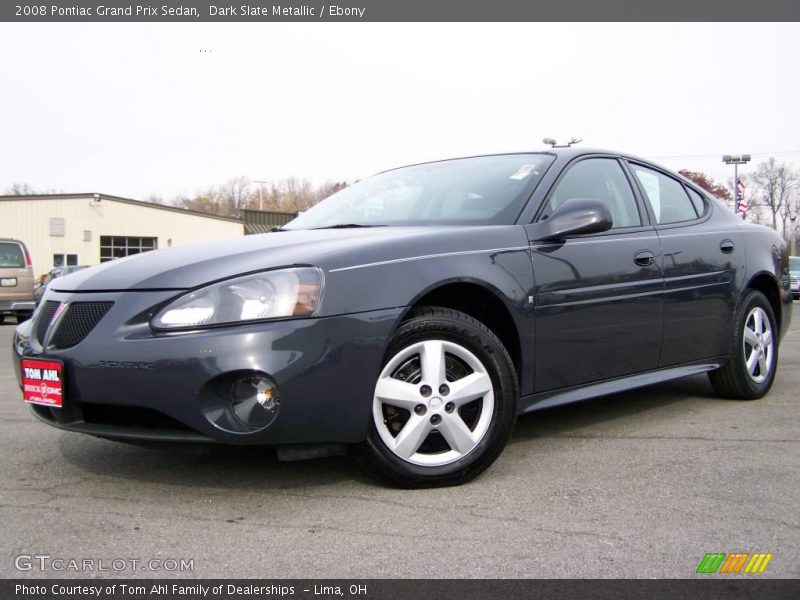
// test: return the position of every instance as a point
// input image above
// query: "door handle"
(644, 258)
(727, 246)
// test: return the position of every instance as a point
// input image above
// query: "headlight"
(267, 295)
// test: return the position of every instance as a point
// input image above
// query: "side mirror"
(577, 216)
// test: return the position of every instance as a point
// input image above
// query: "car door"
(598, 298)
(701, 256)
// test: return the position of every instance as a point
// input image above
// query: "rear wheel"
(444, 403)
(2, 319)
(749, 373)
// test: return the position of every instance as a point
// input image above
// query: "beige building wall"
(29, 220)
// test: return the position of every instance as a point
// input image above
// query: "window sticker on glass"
(523, 172)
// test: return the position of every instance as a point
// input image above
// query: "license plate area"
(8, 282)
(43, 382)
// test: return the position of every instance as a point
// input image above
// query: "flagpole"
(736, 161)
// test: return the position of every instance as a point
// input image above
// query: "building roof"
(263, 221)
(117, 199)
(254, 228)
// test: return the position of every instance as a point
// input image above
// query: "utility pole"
(736, 160)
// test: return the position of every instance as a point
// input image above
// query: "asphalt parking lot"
(640, 484)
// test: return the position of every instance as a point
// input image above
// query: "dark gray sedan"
(414, 315)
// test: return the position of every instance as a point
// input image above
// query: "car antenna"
(554, 144)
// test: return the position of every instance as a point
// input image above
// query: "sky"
(134, 109)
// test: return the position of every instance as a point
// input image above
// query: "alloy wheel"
(758, 345)
(433, 403)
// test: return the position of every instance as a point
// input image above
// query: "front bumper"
(125, 381)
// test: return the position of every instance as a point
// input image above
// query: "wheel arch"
(481, 301)
(766, 283)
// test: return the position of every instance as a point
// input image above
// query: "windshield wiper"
(275, 229)
(348, 226)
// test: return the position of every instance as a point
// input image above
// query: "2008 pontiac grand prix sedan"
(414, 315)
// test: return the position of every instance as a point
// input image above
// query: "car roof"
(561, 152)
(570, 152)
(566, 154)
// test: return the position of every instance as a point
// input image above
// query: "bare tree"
(791, 221)
(155, 199)
(328, 189)
(787, 188)
(774, 184)
(234, 195)
(288, 195)
(20, 189)
(205, 202)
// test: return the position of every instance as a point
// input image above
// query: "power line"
(780, 152)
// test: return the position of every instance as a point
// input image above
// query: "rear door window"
(11, 256)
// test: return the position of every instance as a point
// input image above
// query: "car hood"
(193, 265)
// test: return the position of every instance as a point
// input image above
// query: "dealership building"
(89, 229)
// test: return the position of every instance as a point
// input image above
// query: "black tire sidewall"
(462, 330)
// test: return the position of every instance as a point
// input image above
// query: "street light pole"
(260, 192)
(736, 160)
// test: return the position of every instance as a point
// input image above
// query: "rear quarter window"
(697, 201)
(11, 255)
(667, 197)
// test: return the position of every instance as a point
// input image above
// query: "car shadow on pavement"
(257, 467)
(201, 465)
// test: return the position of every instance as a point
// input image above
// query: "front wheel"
(444, 404)
(750, 371)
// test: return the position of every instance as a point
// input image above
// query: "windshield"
(794, 263)
(486, 190)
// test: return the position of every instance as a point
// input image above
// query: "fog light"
(20, 344)
(254, 401)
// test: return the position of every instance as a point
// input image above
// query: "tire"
(445, 402)
(735, 380)
(2, 319)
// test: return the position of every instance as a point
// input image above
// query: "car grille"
(78, 321)
(45, 317)
(794, 281)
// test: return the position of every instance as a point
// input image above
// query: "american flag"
(741, 203)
